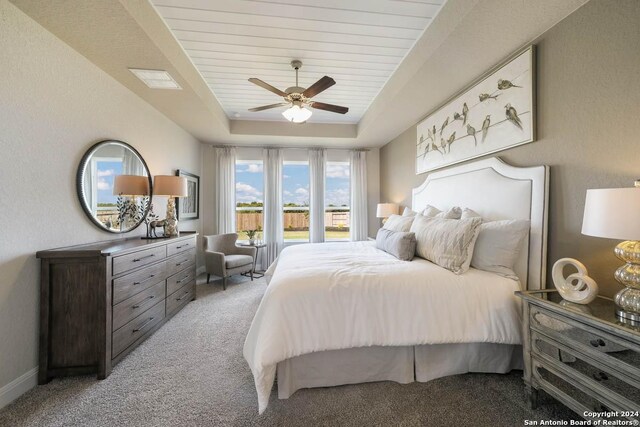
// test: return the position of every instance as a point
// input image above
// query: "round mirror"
(114, 186)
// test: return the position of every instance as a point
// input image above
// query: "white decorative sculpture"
(576, 287)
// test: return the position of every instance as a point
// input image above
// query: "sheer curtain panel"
(358, 225)
(317, 166)
(225, 189)
(273, 223)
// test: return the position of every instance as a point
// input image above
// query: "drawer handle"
(600, 376)
(181, 262)
(598, 343)
(144, 257)
(182, 246)
(183, 279)
(148, 278)
(182, 297)
(149, 297)
(143, 325)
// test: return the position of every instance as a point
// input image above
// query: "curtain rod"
(286, 148)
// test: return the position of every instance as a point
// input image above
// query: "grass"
(304, 235)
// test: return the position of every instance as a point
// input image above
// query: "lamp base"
(628, 317)
(628, 299)
(171, 222)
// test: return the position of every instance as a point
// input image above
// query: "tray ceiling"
(359, 43)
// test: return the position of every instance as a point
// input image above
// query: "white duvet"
(331, 296)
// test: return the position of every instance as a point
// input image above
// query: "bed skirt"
(400, 364)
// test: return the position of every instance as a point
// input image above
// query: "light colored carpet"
(191, 373)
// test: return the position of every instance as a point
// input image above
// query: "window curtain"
(317, 166)
(358, 172)
(225, 189)
(273, 222)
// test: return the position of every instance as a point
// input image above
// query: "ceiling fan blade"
(267, 86)
(266, 107)
(329, 107)
(321, 85)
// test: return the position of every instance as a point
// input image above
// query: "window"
(102, 200)
(295, 198)
(249, 198)
(337, 201)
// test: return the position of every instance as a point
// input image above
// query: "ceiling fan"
(298, 97)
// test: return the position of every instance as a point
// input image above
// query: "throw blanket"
(329, 296)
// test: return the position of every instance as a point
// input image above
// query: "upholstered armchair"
(223, 258)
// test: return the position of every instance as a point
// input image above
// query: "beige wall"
(54, 104)
(588, 126)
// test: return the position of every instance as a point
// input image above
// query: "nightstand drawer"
(597, 344)
(611, 385)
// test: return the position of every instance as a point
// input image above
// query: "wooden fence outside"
(292, 220)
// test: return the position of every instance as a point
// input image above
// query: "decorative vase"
(251, 241)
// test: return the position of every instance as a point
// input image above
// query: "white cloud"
(337, 171)
(252, 168)
(286, 176)
(107, 172)
(246, 193)
(337, 197)
(103, 184)
(302, 191)
(288, 193)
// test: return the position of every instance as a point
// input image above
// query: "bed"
(344, 313)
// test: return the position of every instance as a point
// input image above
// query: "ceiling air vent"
(156, 79)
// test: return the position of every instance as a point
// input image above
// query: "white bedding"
(332, 296)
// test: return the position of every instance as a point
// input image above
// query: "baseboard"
(18, 387)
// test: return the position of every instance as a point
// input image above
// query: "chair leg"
(208, 278)
(252, 274)
(224, 283)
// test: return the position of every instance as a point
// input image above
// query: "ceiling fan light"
(297, 114)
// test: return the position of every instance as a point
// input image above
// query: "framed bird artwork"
(494, 113)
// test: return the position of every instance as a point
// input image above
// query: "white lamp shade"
(385, 210)
(297, 114)
(170, 185)
(130, 185)
(613, 213)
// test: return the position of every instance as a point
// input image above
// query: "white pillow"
(446, 242)
(398, 223)
(433, 212)
(469, 213)
(408, 212)
(498, 246)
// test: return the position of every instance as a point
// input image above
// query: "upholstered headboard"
(497, 191)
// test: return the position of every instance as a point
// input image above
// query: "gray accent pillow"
(408, 212)
(446, 242)
(401, 245)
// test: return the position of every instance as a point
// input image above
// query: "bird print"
(484, 96)
(435, 148)
(472, 131)
(444, 125)
(430, 135)
(485, 126)
(443, 145)
(505, 84)
(457, 116)
(465, 111)
(450, 141)
(512, 115)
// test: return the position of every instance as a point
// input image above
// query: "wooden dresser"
(100, 301)
(582, 356)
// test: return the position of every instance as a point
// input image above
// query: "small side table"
(258, 246)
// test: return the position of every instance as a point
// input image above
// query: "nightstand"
(581, 355)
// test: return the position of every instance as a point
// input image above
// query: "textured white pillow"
(498, 246)
(446, 242)
(433, 212)
(469, 213)
(408, 212)
(398, 223)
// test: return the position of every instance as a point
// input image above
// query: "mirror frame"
(80, 184)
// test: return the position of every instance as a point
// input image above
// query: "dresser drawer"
(180, 279)
(128, 262)
(180, 298)
(621, 391)
(136, 328)
(137, 304)
(135, 282)
(181, 261)
(182, 246)
(564, 389)
(597, 344)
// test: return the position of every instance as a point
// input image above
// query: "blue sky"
(250, 184)
(106, 171)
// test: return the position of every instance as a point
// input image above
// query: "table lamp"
(129, 186)
(614, 213)
(172, 186)
(385, 210)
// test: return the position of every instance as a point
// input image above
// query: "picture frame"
(494, 113)
(189, 207)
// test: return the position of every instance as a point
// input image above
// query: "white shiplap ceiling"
(357, 42)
